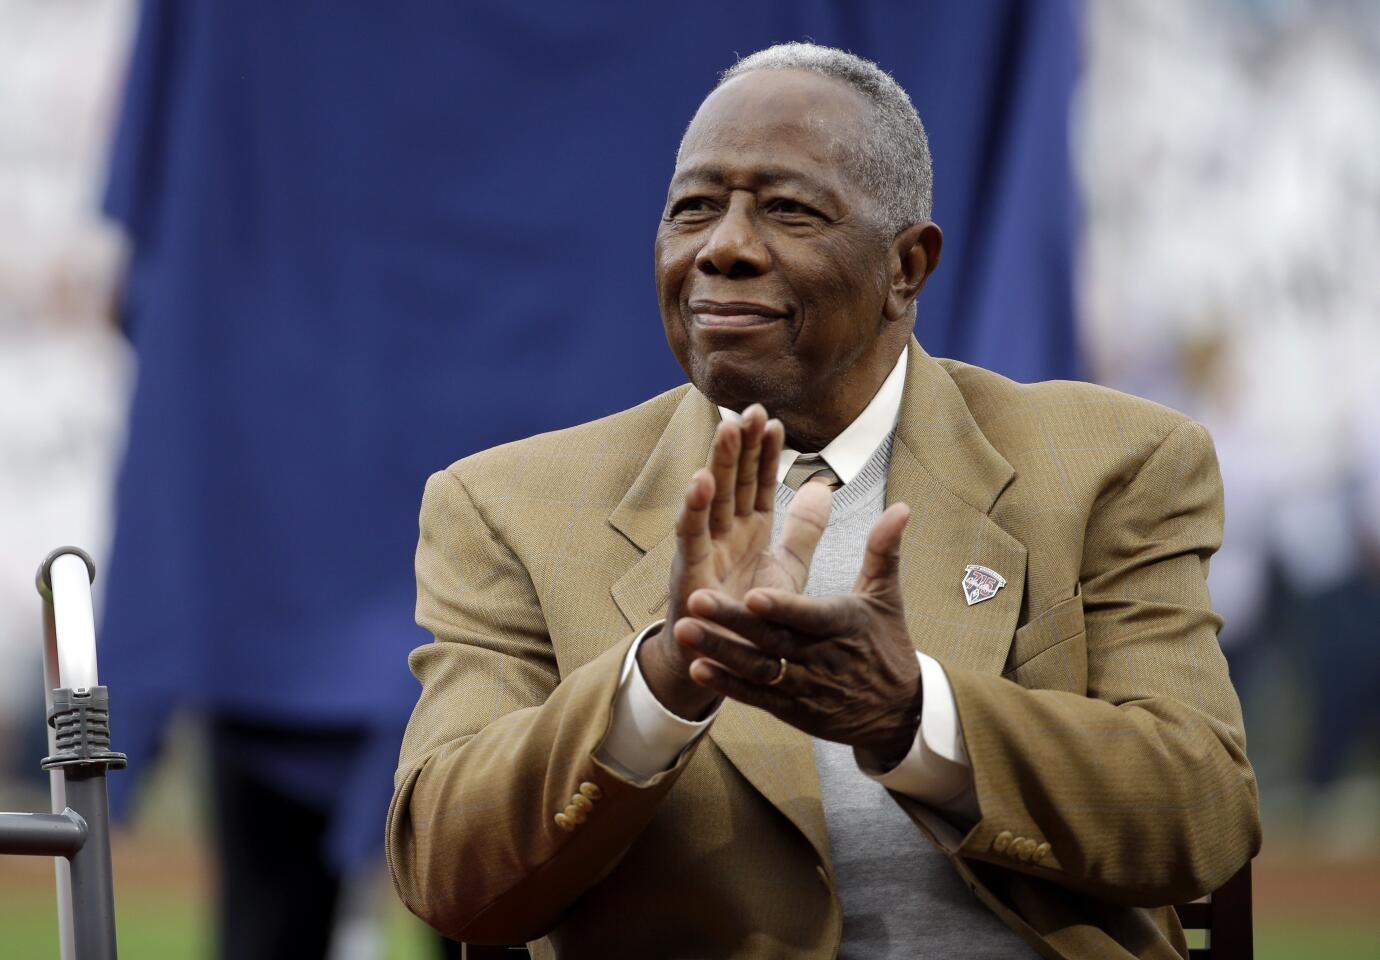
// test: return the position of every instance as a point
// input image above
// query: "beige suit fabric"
(1092, 692)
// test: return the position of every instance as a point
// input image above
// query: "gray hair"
(893, 161)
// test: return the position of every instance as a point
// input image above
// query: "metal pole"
(93, 894)
(57, 783)
(41, 834)
(79, 754)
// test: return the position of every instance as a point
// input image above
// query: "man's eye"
(691, 208)
(791, 208)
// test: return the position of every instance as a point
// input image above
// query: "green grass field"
(159, 927)
(168, 927)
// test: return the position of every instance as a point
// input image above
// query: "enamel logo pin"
(981, 583)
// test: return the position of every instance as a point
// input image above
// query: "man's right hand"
(723, 543)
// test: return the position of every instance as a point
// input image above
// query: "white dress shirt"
(644, 738)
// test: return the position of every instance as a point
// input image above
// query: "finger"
(692, 526)
(720, 608)
(712, 675)
(773, 439)
(723, 464)
(745, 493)
(814, 616)
(881, 566)
(805, 521)
(717, 607)
(726, 648)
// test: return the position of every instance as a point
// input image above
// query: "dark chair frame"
(1225, 915)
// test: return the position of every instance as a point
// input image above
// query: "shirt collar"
(849, 452)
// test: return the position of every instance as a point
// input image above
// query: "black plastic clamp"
(82, 721)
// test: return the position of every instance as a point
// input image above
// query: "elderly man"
(923, 665)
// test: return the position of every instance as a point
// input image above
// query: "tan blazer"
(1091, 689)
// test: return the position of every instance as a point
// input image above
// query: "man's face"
(772, 265)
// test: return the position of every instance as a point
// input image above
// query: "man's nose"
(734, 248)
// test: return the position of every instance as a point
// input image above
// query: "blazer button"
(582, 802)
(575, 814)
(1027, 848)
(565, 823)
(1040, 852)
(1001, 841)
(591, 790)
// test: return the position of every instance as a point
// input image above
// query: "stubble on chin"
(736, 386)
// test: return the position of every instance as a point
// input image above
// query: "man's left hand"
(851, 674)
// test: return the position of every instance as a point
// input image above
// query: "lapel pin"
(981, 583)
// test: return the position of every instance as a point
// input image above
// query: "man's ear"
(914, 255)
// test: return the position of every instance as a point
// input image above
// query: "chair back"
(1225, 915)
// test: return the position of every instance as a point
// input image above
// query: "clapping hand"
(723, 546)
(841, 668)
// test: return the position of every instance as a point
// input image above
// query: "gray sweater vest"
(901, 898)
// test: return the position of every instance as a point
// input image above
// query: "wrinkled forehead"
(782, 118)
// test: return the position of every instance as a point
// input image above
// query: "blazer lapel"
(946, 470)
(779, 761)
(647, 513)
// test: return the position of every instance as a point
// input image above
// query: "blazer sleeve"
(1139, 793)
(499, 743)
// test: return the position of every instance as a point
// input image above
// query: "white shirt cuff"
(644, 738)
(936, 771)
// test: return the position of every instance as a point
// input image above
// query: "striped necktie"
(811, 467)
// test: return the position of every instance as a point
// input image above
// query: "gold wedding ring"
(780, 674)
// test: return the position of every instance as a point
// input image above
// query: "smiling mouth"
(710, 313)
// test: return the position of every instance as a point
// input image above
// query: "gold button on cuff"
(564, 822)
(591, 790)
(576, 814)
(1041, 851)
(1001, 841)
(1026, 849)
(582, 802)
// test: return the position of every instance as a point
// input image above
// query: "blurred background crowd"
(263, 267)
